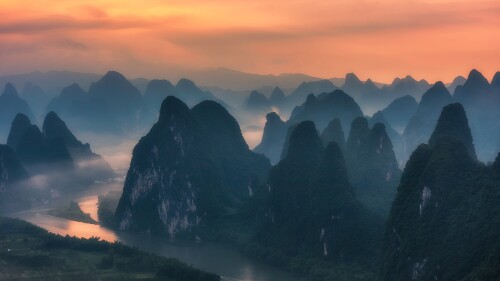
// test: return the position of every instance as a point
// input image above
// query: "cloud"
(322, 38)
(93, 11)
(68, 43)
(60, 22)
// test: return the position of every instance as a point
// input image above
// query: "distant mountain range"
(53, 148)
(10, 105)
(408, 122)
(325, 205)
(216, 77)
(41, 165)
(481, 100)
(230, 87)
(114, 104)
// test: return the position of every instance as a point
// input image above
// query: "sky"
(431, 39)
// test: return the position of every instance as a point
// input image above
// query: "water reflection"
(218, 258)
(65, 227)
(89, 206)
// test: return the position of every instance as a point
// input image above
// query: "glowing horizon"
(433, 40)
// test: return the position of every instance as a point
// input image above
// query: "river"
(212, 257)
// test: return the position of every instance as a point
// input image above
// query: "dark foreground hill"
(444, 222)
(11, 174)
(32, 253)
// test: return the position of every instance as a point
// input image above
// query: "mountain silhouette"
(312, 210)
(11, 173)
(372, 165)
(277, 97)
(399, 112)
(443, 211)
(190, 167)
(453, 123)
(112, 105)
(257, 102)
(334, 132)
(326, 107)
(481, 104)
(300, 94)
(273, 137)
(408, 86)
(424, 120)
(156, 92)
(10, 105)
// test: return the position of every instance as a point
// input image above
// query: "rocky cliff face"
(312, 209)
(190, 167)
(444, 210)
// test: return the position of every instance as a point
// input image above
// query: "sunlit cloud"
(377, 39)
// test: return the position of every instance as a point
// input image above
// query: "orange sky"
(434, 39)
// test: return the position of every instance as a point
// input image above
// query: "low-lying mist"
(116, 150)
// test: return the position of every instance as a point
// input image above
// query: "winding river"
(212, 257)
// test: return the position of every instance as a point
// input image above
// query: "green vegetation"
(240, 231)
(307, 219)
(72, 212)
(28, 252)
(372, 166)
(445, 220)
(107, 204)
(200, 168)
(323, 217)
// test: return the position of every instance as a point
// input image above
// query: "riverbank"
(32, 253)
(229, 263)
(237, 231)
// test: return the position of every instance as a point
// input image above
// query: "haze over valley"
(250, 141)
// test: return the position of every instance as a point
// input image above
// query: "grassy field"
(28, 252)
